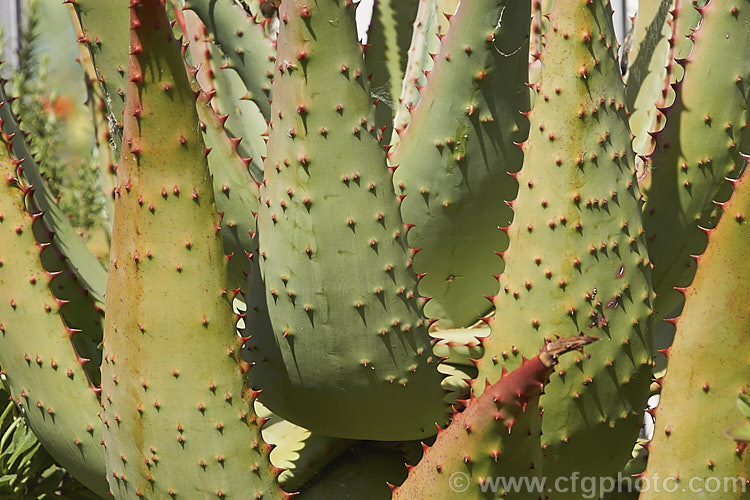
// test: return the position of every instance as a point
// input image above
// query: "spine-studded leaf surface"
(708, 368)
(235, 192)
(177, 417)
(96, 99)
(653, 70)
(698, 147)
(430, 24)
(236, 197)
(497, 435)
(243, 42)
(79, 259)
(230, 96)
(647, 70)
(245, 119)
(454, 157)
(79, 277)
(107, 40)
(40, 366)
(577, 260)
(357, 360)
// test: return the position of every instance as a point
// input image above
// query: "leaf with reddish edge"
(496, 435)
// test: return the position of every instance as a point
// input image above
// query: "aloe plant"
(310, 276)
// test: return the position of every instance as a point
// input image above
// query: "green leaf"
(743, 401)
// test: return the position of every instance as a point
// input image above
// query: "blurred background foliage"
(52, 102)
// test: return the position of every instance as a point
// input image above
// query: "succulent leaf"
(243, 41)
(104, 35)
(454, 157)
(81, 261)
(43, 371)
(177, 413)
(301, 453)
(430, 25)
(496, 436)
(697, 405)
(698, 148)
(577, 259)
(647, 70)
(240, 116)
(351, 354)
